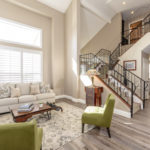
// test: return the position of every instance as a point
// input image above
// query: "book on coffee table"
(26, 107)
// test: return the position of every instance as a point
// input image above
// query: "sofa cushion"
(45, 96)
(24, 88)
(27, 98)
(8, 101)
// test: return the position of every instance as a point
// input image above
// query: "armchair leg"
(108, 131)
(82, 127)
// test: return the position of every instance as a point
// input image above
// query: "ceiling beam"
(103, 12)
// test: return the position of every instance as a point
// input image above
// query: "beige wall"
(108, 38)
(135, 53)
(20, 15)
(72, 49)
(52, 22)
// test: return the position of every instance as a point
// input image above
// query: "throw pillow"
(45, 88)
(35, 89)
(24, 88)
(15, 92)
(4, 91)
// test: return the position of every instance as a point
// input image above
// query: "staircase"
(127, 86)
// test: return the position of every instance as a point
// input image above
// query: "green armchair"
(20, 136)
(99, 116)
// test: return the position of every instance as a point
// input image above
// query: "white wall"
(107, 38)
(135, 53)
(145, 66)
(72, 49)
(90, 25)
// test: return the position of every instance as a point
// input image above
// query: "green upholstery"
(99, 116)
(20, 136)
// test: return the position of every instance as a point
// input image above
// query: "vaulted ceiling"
(60, 5)
(104, 8)
(95, 14)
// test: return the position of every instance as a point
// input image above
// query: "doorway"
(136, 31)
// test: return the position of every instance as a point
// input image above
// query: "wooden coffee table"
(23, 116)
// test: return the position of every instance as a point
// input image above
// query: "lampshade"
(92, 72)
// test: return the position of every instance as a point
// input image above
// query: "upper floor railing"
(120, 73)
(130, 37)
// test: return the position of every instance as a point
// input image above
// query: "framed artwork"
(130, 65)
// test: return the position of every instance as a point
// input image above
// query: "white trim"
(122, 113)
(71, 98)
(82, 101)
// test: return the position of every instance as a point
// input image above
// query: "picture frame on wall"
(130, 65)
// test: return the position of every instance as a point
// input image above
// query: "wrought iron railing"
(104, 55)
(124, 76)
(106, 64)
(130, 37)
(141, 86)
(91, 61)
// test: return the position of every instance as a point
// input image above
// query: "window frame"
(25, 25)
(21, 50)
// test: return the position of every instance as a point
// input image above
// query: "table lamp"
(91, 73)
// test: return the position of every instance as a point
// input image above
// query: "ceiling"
(139, 7)
(60, 5)
(105, 9)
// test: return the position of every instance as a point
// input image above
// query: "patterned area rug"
(63, 126)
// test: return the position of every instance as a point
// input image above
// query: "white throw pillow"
(45, 88)
(35, 89)
(15, 92)
(4, 91)
(24, 88)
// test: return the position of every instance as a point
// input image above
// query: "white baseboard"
(116, 111)
(71, 98)
(122, 113)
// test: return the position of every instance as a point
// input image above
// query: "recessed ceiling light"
(123, 3)
(132, 12)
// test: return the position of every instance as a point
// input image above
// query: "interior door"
(136, 31)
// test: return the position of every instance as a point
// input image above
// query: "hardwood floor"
(127, 134)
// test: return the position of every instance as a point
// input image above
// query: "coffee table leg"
(49, 115)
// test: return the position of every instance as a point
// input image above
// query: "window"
(20, 65)
(14, 32)
(10, 64)
(31, 67)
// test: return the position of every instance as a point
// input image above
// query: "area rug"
(63, 126)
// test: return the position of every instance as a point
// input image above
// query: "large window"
(20, 65)
(14, 32)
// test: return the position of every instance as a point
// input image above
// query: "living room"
(63, 84)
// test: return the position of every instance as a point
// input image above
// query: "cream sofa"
(8, 103)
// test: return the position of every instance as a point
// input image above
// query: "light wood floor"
(127, 134)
